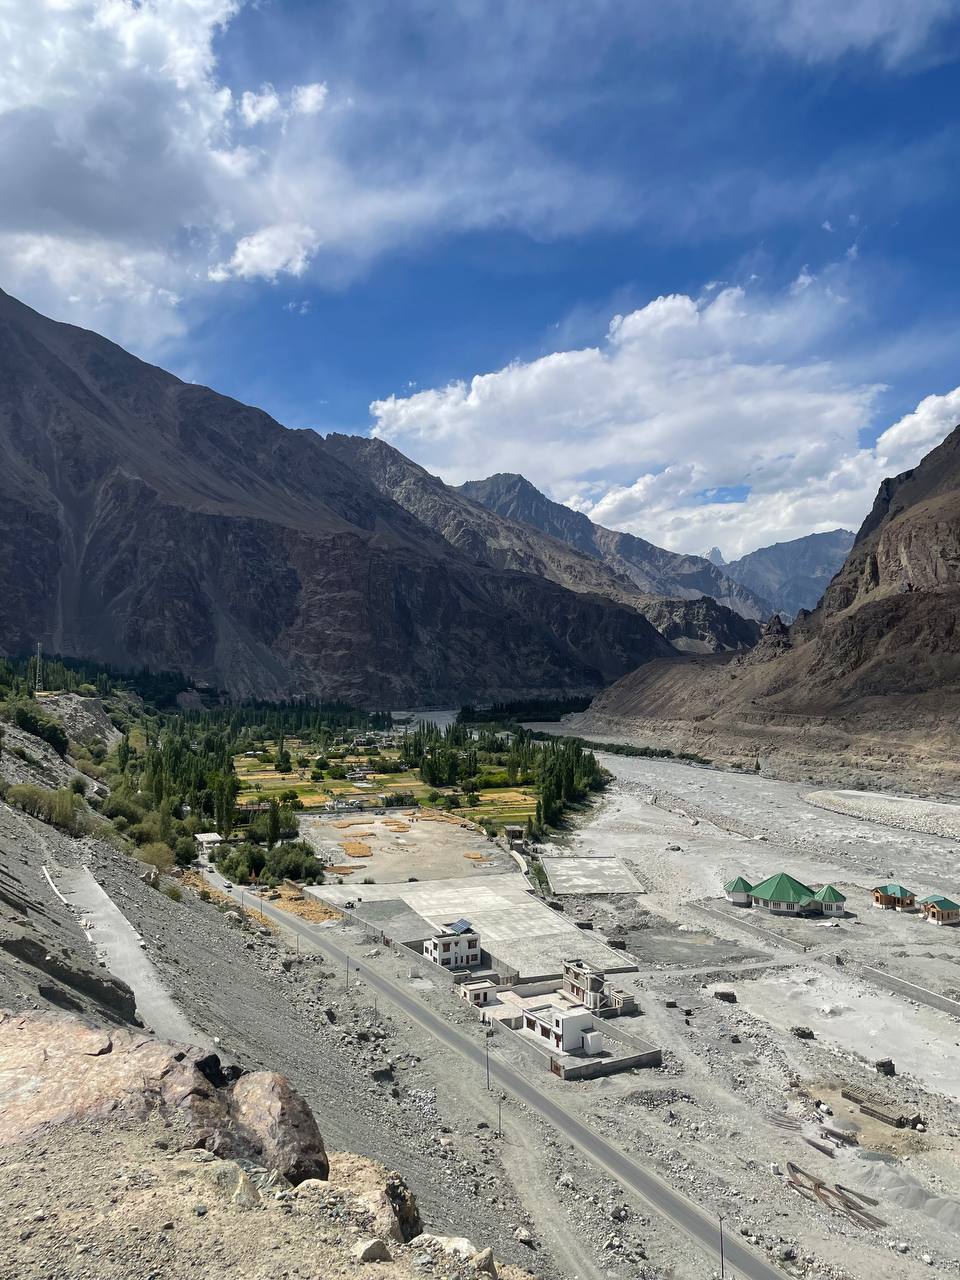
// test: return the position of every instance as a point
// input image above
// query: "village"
(680, 961)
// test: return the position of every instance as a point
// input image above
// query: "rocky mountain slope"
(867, 686)
(791, 575)
(147, 521)
(652, 570)
(490, 538)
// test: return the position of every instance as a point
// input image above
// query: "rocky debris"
(56, 1069)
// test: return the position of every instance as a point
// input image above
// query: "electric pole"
(38, 687)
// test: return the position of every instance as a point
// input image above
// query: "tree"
(123, 753)
(273, 824)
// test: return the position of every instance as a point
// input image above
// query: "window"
(446, 946)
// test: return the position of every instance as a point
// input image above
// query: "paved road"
(741, 1263)
(115, 938)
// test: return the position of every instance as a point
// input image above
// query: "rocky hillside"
(651, 569)
(791, 575)
(867, 687)
(494, 539)
(148, 521)
(122, 1155)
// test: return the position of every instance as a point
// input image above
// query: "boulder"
(371, 1250)
(452, 1246)
(484, 1264)
(266, 1112)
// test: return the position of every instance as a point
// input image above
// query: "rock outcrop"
(56, 1069)
(865, 689)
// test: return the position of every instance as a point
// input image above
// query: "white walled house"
(479, 994)
(456, 946)
(587, 984)
(562, 1027)
(207, 842)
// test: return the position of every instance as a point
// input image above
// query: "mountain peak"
(715, 556)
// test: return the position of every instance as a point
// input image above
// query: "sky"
(691, 268)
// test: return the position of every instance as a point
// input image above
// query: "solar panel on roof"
(461, 926)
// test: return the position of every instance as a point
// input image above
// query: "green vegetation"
(511, 713)
(625, 749)
(32, 720)
(62, 808)
(559, 773)
(248, 862)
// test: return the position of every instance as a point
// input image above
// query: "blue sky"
(451, 222)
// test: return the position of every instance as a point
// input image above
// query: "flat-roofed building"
(456, 946)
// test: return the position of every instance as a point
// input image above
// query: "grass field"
(260, 782)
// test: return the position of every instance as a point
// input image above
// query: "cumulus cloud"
(697, 422)
(286, 247)
(128, 143)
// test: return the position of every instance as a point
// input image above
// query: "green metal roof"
(738, 885)
(781, 887)
(894, 891)
(829, 894)
(944, 904)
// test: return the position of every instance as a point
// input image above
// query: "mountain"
(867, 686)
(489, 538)
(148, 521)
(715, 556)
(652, 570)
(792, 575)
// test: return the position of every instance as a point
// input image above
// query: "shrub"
(173, 892)
(61, 808)
(156, 854)
(41, 726)
(78, 786)
(118, 805)
(185, 851)
(26, 757)
(204, 895)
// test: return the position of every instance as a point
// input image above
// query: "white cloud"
(129, 144)
(259, 107)
(308, 99)
(283, 248)
(697, 422)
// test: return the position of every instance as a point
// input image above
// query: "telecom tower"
(39, 682)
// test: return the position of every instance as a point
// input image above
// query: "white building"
(457, 946)
(207, 842)
(564, 1027)
(479, 993)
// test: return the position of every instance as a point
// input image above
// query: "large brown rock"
(267, 1114)
(56, 1069)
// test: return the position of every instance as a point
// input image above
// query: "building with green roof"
(783, 894)
(832, 901)
(936, 909)
(894, 897)
(738, 891)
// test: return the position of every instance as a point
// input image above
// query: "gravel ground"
(933, 817)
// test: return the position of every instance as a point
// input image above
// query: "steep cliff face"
(148, 521)
(871, 678)
(793, 575)
(653, 570)
(697, 624)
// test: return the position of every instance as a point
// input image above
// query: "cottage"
(782, 894)
(456, 946)
(738, 891)
(936, 909)
(832, 901)
(894, 897)
(207, 842)
(513, 832)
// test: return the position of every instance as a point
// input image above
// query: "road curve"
(740, 1262)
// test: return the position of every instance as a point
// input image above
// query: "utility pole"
(38, 686)
(487, 1048)
(721, 1245)
(500, 1116)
